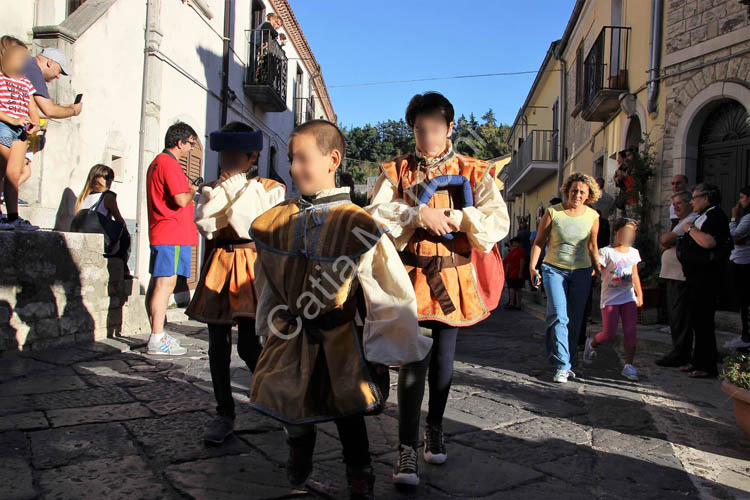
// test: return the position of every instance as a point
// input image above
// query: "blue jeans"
(567, 293)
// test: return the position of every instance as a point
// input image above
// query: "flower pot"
(741, 399)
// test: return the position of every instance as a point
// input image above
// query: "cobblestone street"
(102, 420)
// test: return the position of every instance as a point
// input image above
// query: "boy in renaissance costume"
(226, 293)
(328, 267)
(437, 205)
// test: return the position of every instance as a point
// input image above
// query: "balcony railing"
(304, 110)
(266, 74)
(605, 73)
(535, 160)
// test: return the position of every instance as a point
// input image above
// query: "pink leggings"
(629, 314)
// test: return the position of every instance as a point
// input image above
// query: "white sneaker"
(167, 346)
(561, 376)
(629, 372)
(737, 343)
(589, 353)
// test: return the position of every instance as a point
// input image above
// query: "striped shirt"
(15, 94)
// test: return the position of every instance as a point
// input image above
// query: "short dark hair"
(711, 192)
(178, 131)
(623, 153)
(327, 135)
(429, 103)
(236, 127)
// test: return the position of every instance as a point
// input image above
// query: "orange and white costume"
(441, 271)
(226, 290)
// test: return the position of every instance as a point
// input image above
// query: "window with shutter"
(192, 165)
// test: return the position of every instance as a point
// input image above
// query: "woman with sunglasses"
(96, 192)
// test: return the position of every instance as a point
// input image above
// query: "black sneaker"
(361, 482)
(406, 471)
(299, 465)
(218, 430)
(434, 445)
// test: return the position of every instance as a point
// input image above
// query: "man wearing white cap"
(46, 67)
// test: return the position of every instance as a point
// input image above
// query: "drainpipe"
(139, 211)
(563, 122)
(225, 62)
(657, 14)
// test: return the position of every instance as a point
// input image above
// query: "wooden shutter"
(192, 165)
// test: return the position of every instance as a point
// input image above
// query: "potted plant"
(736, 375)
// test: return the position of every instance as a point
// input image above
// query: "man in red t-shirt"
(171, 231)
(514, 262)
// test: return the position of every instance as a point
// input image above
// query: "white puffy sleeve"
(391, 330)
(249, 202)
(393, 212)
(487, 222)
(209, 213)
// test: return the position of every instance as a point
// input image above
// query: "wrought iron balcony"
(605, 73)
(266, 73)
(304, 110)
(535, 161)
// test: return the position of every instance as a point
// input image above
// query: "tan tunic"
(319, 263)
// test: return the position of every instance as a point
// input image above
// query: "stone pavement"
(102, 420)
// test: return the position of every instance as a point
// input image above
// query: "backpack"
(90, 220)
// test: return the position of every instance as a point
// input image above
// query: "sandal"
(687, 368)
(701, 374)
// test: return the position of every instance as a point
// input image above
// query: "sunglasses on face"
(108, 177)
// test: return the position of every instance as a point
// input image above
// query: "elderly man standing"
(679, 184)
(671, 273)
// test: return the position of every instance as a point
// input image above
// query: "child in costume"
(323, 261)
(226, 294)
(437, 205)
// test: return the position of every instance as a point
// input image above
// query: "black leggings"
(352, 434)
(220, 355)
(411, 379)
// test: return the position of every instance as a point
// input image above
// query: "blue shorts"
(10, 133)
(168, 260)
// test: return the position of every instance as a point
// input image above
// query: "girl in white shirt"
(621, 294)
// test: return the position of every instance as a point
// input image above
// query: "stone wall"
(708, 52)
(57, 288)
(689, 22)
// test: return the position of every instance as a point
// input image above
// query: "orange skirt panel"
(226, 290)
(460, 283)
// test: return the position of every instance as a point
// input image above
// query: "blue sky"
(357, 42)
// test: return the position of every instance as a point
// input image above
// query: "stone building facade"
(706, 69)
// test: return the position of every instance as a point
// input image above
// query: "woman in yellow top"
(569, 230)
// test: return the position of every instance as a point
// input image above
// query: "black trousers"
(741, 274)
(352, 434)
(219, 358)
(702, 291)
(411, 382)
(679, 320)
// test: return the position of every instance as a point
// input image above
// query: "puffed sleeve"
(394, 213)
(275, 195)
(391, 330)
(210, 212)
(486, 222)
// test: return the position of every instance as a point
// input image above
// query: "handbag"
(90, 220)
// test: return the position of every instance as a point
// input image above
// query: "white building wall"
(107, 67)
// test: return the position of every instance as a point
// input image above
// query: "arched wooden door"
(192, 165)
(724, 151)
